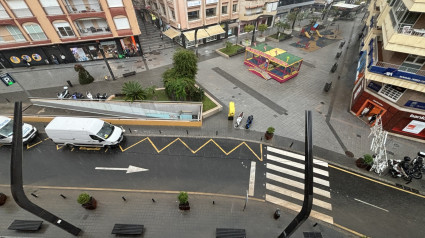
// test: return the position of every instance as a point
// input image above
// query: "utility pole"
(308, 180)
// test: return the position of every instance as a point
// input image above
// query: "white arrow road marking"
(371, 205)
(130, 169)
(252, 179)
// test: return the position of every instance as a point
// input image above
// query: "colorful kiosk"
(269, 62)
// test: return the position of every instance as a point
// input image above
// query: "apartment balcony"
(415, 5)
(90, 27)
(87, 7)
(403, 37)
(395, 68)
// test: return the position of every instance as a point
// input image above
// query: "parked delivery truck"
(29, 132)
(78, 131)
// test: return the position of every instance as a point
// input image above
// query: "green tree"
(262, 28)
(183, 197)
(84, 76)
(292, 17)
(133, 91)
(83, 198)
(179, 88)
(185, 64)
(248, 28)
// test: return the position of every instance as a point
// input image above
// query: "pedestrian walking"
(54, 59)
(25, 61)
(63, 57)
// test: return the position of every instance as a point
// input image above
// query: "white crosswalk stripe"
(285, 183)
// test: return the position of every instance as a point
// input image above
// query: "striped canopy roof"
(276, 55)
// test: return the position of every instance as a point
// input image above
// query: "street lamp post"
(255, 26)
(106, 61)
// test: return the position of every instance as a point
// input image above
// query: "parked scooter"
(77, 95)
(101, 96)
(89, 95)
(397, 169)
(64, 93)
(239, 120)
(249, 122)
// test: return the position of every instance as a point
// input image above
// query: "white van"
(29, 132)
(77, 131)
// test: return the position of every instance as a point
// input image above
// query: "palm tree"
(133, 91)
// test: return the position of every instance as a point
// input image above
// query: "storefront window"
(81, 54)
(110, 49)
(212, 38)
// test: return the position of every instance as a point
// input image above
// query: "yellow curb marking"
(349, 230)
(59, 147)
(106, 149)
(376, 181)
(195, 151)
(89, 148)
(30, 146)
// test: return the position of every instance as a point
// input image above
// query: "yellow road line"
(195, 151)
(30, 146)
(137, 191)
(349, 230)
(376, 181)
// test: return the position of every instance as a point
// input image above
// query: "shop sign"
(414, 127)
(15, 59)
(36, 57)
(415, 104)
(211, 1)
(193, 3)
(417, 117)
(374, 86)
(7, 79)
(26, 57)
(398, 74)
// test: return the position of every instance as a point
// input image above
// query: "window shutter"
(121, 23)
(115, 3)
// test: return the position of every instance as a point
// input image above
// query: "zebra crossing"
(285, 183)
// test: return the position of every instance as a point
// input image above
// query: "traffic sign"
(7, 79)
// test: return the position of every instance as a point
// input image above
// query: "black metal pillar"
(308, 186)
(106, 61)
(16, 180)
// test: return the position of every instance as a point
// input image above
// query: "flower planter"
(91, 205)
(184, 207)
(268, 136)
(360, 163)
(261, 39)
(3, 198)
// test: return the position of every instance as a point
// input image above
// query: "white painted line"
(297, 208)
(297, 184)
(295, 156)
(252, 179)
(296, 174)
(298, 196)
(297, 165)
(371, 205)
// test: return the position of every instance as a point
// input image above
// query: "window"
(3, 13)
(64, 29)
(224, 10)
(19, 8)
(16, 33)
(393, 93)
(173, 15)
(163, 9)
(10, 34)
(235, 8)
(412, 63)
(115, 3)
(210, 12)
(121, 23)
(193, 15)
(51, 7)
(35, 32)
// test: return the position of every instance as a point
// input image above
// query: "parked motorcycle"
(239, 120)
(249, 122)
(64, 93)
(89, 95)
(77, 95)
(101, 96)
(397, 168)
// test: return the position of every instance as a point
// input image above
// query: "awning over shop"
(215, 30)
(395, 81)
(190, 35)
(171, 33)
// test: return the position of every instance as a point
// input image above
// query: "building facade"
(211, 19)
(55, 31)
(390, 79)
(286, 6)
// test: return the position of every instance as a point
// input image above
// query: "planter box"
(279, 40)
(246, 43)
(240, 51)
(261, 39)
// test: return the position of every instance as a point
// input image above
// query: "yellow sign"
(36, 57)
(15, 59)
(26, 57)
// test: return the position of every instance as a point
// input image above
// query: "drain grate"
(349, 154)
(312, 235)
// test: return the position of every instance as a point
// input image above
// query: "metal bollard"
(69, 83)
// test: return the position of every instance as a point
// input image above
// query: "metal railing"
(395, 66)
(94, 31)
(55, 10)
(84, 8)
(407, 30)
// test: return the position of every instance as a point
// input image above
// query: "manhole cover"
(349, 154)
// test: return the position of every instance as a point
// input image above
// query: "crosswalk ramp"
(285, 183)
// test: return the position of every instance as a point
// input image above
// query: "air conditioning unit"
(178, 25)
